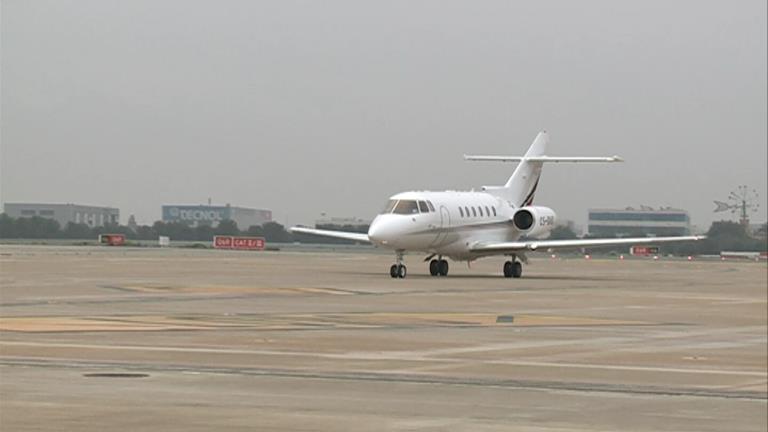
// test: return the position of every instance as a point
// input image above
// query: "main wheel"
(508, 269)
(393, 271)
(434, 269)
(401, 271)
(517, 269)
(442, 268)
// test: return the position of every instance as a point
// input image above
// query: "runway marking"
(386, 356)
(389, 377)
(290, 321)
(230, 289)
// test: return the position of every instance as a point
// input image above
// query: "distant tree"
(204, 233)
(255, 231)
(730, 236)
(145, 232)
(35, 227)
(762, 231)
(274, 232)
(227, 227)
(562, 232)
(77, 231)
(727, 229)
(174, 230)
(7, 229)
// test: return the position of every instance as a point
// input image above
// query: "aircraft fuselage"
(452, 223)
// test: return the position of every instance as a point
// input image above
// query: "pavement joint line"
(580, 387)
(388, 356)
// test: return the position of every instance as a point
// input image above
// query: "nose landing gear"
(438, 267)
(398, 270)
(513, 268)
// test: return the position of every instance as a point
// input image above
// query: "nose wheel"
(513, 269)
(398, 270)
(438, 267)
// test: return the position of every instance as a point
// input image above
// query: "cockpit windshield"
(408, 207)
(390, 206)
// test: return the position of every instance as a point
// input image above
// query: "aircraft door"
(445, 223)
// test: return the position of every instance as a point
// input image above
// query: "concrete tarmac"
(98, 338)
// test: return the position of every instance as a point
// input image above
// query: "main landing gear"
(513, 268)
(398, 270)
(438, 267)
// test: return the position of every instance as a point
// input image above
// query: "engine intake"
(523, 220)
(534, 221)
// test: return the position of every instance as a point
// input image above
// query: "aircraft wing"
(335, 234)
(532, 245)
(543, 158)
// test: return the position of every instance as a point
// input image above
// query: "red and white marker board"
(239, 243)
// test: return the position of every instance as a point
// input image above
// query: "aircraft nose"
(380, 231)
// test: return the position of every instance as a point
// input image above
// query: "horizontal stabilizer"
(543, 158)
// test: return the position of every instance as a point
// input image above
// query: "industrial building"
(332, 222)
(93, 216)
(197, 215)
(644, 221)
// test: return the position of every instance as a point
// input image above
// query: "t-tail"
(521, 186)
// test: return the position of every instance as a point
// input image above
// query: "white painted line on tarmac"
(385, 356)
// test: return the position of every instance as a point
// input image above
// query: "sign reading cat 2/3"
(238, 243)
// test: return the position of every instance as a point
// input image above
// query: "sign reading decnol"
(238, 243)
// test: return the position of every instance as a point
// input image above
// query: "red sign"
(238, 243)
(112, 239)
(644, 250)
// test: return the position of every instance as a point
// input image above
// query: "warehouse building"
(93, 216)
(197, 215)
(638, 222)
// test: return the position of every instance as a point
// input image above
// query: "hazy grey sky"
(331, 106)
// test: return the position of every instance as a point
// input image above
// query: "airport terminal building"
(93, 216)
(197, 215)
(638, 222)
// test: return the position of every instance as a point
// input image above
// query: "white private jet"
(465, 226)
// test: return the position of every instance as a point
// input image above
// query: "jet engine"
(534, 221)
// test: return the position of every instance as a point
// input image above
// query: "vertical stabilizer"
(521, 186)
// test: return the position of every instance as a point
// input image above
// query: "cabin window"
(494, 210)
(423, 207)
(406, 207)
(461, 212)
(474, 213)
(390, 206)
